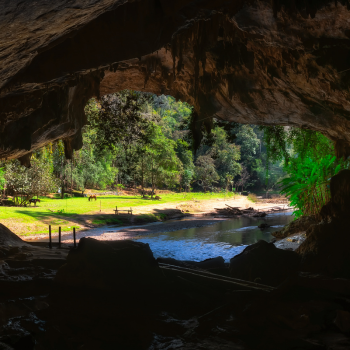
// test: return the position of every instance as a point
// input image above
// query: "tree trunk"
(142, 177)
(62, 189)
(152, 183)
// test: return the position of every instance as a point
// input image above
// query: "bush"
(252, 197)
(7, 202)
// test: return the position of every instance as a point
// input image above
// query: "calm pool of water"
(225, 238)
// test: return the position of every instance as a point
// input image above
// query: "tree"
(161, 164)
(243, 178)
(2, 180)
(25, 183)
(229, 181)
(188, 168)
(205, 172)
(124, 128)
(226, 156)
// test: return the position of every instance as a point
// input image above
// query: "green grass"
(78, 211)
(252, 197)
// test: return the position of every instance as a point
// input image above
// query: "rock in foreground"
(109, 265)
(262, 262)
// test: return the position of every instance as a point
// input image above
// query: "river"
(224, 238)
(194, 239)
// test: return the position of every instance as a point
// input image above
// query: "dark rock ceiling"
(283, 62)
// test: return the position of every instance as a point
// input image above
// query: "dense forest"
(144, 141)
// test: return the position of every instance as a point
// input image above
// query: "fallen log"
(210, 279)
(235, 208)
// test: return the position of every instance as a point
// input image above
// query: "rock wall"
(263, 62)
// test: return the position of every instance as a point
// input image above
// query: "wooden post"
(74, 238)
(50, 242)
(59, 237)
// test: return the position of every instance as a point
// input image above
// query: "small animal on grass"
(158, 198)
(92, 197)
(34, 200)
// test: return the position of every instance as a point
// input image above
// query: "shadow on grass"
(99, 220)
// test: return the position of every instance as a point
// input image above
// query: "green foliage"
(307, 185)
(252, 197)
(2, 179)
(171, 114)
(284, 142)
(249, 143)
(121, 119)
(24, 183)
(308, 159)
(206, 173)
(161, 164)
(186, 157)
(276, 139)
(226, 156)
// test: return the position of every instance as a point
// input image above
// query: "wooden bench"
(116, 211)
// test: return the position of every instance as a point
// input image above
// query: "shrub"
(252, 197)
(307, 186)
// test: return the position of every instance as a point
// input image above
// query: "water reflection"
(225, 238)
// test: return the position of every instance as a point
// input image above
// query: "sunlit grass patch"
(145, 218)
(80, 211)
(106, 221)
(252, 197)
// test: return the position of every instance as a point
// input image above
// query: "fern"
(308, 183)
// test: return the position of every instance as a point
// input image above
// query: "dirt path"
(203, 206)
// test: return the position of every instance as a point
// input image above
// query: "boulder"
(262, 262)
(8, 238)
(326, 249)
(299, 225)
(110, 265)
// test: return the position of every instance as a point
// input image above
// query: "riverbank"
(142, 214)
(192, 238)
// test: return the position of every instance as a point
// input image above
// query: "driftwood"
(232, 207)
(233, 211)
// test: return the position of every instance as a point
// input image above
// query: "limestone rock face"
(264, 62)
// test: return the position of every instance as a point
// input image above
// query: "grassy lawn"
(78, 211)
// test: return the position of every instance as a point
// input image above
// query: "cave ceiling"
(280, 62)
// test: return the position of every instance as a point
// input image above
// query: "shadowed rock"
(110, 265)
(262, 262)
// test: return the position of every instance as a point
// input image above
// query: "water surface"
(225, 238)
(203, 238)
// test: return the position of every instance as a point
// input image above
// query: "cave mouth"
(206, 55)
(279, 63)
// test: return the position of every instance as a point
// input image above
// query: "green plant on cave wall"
(307, 185)
(309, 162)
